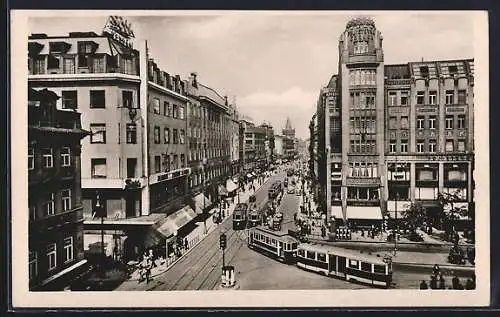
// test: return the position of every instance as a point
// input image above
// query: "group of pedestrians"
(437, 281)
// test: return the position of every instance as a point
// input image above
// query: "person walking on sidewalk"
(423, 285)
(442, 282)
(186, 244)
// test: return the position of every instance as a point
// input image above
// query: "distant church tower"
(288, 131)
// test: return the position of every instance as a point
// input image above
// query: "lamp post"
(203, 195)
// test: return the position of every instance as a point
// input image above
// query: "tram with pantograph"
(345, 264)
(277, 244)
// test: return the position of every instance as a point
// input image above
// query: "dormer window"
(52, 62)
(424, 71)
(86, 47)
(452, 69)
(58, 47)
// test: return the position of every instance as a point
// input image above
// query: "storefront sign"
(455, 109)
(120, 30)
(170, 175)
(426, 109)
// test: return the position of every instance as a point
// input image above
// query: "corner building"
(394, 133)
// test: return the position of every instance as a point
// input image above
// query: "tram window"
(379, 269)
(294, 246)
(310, 255)
(367, 267)
(267, 240)
(322, 257)
(300, 252)
(353, 264)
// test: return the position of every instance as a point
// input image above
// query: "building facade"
(269, 142)
(395, 134)
(278, 146)
(252, 146)
(234, 135)
(54, 193)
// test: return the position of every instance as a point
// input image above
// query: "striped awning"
(201, 202)
(231, 186)
(364, 212)
(171, 224)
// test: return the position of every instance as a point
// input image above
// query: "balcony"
(56, 221)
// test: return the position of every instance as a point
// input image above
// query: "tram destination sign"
(120, 30)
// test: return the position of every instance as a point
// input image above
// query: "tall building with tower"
(394, 134)
(289, 141)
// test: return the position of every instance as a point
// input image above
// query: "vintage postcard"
(279, 159)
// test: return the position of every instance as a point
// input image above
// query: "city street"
(200, 269)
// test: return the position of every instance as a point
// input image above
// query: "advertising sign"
(120, 30)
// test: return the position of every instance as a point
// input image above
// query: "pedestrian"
(186, 243)
(423, 285)
(469, 285)
(433, 282)
(442, 282)
(436, 270)
(455, 282)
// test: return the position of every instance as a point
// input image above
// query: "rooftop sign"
(120, 30)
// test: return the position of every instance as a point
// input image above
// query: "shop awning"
(171, 224)
(231, 186)
(201, 202)
(337, 212)
(364, 212)
(392, 214)
(222, 191)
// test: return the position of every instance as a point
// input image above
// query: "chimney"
(193, 80)
(225, 100)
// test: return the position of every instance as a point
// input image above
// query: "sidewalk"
(194, 237)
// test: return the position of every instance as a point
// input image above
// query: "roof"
(204, 91)
(288, 125)
(398, 71)
(281, 233)
(360, 21)
(342, 252)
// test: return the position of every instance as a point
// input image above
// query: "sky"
(274, 66)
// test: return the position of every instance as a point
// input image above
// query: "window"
(310, 255)
(420, 97)
(404, 123)
(461, 146)
(98, 64)
(181, 112)
(49, 204)
(461, 122)
(392, 146)
(367, 267)
(31, 158)
(379, 269)
(393, 123)
(404, 98)
(83, 60)
(176, 162)
(157, 135)
(449, 146)
(97, 133)
(48, 160)
(131, 133)
(462, 97)
(432, 122)
(176, 136)
(183, 160)
(392, 98)
(432, 97)
(424, 71)
(182, 136)
(51, 256)
(157, 164)
(69, 99)
(420, 122)
(66, 199)
(404, 146)
(449, 122)
(321, 257)
(131, 167)
(175, 113)
(69, 66)
(166, 131)
(33, 265)
(98, 167)
(432, 146)
(449, 97)
(453, 69)
(39, 65)
(52, 62)
(360, 47)
(353, 264)
(65, 156)
(420, 146)
(166, 163)
(127, 99)
(156, 106)
(97, 99)
(68, 249)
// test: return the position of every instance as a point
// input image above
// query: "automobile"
(291, 190)
(298, 192)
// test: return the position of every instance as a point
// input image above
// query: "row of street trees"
(416, 216)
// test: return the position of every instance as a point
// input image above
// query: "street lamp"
(204, 162)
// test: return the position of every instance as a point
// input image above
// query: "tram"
(345, 264)
(254, 217)
(277, 244)
(240, 216)
(274, 190)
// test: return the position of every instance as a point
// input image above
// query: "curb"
(450, 267)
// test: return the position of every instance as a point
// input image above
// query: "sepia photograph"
(279, 159)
